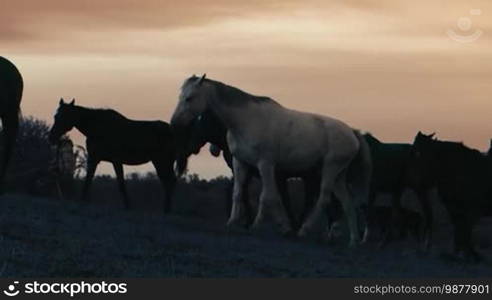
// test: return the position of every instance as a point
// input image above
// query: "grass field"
(48, 237)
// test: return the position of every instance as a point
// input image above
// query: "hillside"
(43, 237)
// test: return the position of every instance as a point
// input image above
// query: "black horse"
(113, 138)
(11, 88)
(392, 174)
(463, 179)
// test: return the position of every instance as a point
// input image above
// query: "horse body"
(11, 89)
(113, 138)
(270, 144)
(462, 177)
(272, 140)
(140, 145)
(392, 174)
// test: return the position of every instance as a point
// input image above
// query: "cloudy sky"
(390, 67)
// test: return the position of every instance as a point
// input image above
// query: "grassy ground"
(46, 237)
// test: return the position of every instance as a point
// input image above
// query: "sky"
(390, 67)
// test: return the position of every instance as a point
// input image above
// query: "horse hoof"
(256, 226)
(302, 233)
(286, 231)
(354, 244)
(365, 237)
(232, 223)
(289, 234)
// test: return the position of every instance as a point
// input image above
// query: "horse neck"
(224, 104)
(451, 153)
(216, 131)
(88, 122)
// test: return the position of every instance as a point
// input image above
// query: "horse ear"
(73, 102)
(202, 78)
(432, 135)
(61, 101)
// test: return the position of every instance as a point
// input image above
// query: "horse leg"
(325, 193)
(396, 211)
(91, 170)
(396, 220)
(170, 187)
(168, 181)
(241, 177)
(334, 215)
(311, 191)
(423, 197)
(286, 200)
(228, 204)
(369, 215)
(10, 124)
(248, 208)
(120, 177)
(457, 233)
(468, 248)
(270, 198)
(342, 193)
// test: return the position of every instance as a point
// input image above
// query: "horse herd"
(342, 169)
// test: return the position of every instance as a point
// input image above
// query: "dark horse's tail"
(181, 136)
(359, 176)
(181, 165)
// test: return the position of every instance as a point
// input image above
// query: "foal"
(113, 138)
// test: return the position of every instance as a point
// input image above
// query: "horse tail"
(359, 177)
(181, 165)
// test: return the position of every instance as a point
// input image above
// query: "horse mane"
(459, 148)
(234, 95)
(103, 112)
(371, 138)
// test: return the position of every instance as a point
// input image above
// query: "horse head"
(422, 156)
(192, 102)
(65, 119)
(422, 144)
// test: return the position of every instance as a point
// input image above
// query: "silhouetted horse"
(11, 87)
(114, 138)
(463, 179)
(392, 174)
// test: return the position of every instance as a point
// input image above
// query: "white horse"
(270, 137)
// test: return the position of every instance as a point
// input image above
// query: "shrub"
(34, 167)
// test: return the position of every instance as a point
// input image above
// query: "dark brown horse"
(392, 174)
(11, 88)
(113, 138)
(463, 179)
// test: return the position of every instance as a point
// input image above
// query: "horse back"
(11, 85)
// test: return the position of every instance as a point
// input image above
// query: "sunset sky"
(387, 66)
